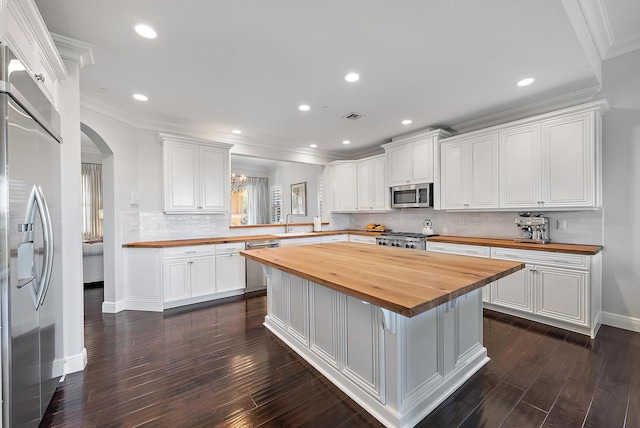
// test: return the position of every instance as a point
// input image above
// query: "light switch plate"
(134, 198)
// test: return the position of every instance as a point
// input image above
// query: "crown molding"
(242, 145)
(74, 50)
(557, 103)
(35, 22)
(595, 17)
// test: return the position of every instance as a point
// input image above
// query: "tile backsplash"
(583, 227)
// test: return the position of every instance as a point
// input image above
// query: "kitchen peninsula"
(398, 331)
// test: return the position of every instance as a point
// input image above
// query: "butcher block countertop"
(246, 238)
(509, 243)
(407, 282)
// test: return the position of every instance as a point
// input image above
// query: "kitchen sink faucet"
(287, 222)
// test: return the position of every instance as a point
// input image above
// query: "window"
(275, 203)
(320, 195)
(92, 199)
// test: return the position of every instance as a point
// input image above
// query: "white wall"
(71, 211)
(621, 191)
(298, 173)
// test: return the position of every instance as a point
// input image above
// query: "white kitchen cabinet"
(560, 289)
(464, 250)
(565, 289)
(569, 162)
(469, 172)
(27, 36)
(195, 175)
(363, 239)
(520, 172)
(414, 159)
(334, 238)
(363, 338)
(514, 291)
(343, 177)
(373, 193)
(230, 267)
(188, 272)
(300, 241)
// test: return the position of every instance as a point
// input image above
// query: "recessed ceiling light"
(304, 107)
(236, 131)
(407, 122)
(145, 31)
(140, 97)
(313, 146)
(346, 142)
(352, 77)
(525, 82)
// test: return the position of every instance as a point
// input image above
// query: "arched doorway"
(104, 153)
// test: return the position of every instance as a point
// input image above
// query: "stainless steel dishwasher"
(256, 279)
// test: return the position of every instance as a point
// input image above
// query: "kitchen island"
(398, 331)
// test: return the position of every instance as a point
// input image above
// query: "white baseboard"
(621, 321)
(76, 363)
(113, 307)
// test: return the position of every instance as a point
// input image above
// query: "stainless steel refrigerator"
(30, 274)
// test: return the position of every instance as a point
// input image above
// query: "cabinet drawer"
(229, 248)
(335, 238)
(190, 251)
(464, 250)
(563, 260)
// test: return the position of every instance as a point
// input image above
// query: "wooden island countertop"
(407, 282)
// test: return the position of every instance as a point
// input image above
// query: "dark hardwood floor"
(216, 365)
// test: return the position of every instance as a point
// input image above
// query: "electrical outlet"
(461, 221)
(134, 227)
(562, 224)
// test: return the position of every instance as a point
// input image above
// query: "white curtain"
(257, 200)
(92, 199)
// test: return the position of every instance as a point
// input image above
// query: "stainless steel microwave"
(412, 196)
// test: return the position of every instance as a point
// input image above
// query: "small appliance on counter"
(532, 228)
(426, 228)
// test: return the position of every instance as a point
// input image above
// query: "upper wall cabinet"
(469, 171)
(373, 193)
(26, 34)
(343, 176)
(195, 175)
(414, 159)
(551, 161)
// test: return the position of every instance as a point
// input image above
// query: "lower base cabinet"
(399, 369)
(162, 278)
(559, 289)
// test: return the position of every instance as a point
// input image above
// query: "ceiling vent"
(353, 116)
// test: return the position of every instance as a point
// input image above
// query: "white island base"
(397, 368)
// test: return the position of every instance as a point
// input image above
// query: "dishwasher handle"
(268, 244)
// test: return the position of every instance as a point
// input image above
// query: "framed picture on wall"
(299, 199)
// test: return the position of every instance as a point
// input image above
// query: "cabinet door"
(176, 276)
(230, 272)
(324, 337)
(379, 190)
(363, 345)
(365, 172)
(561, 294)
(514, 291)
(482, 177)
(203, 276)
(520, 167)
(181, 172)
(568, 162)
(399, 165)
(422, 161)
(214, 171)
(344, 190)
(453, 172)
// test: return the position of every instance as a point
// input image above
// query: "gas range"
(403, 240)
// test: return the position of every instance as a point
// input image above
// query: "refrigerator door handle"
(47, 231)
(26, 268)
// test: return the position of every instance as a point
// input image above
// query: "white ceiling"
(222, 65)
